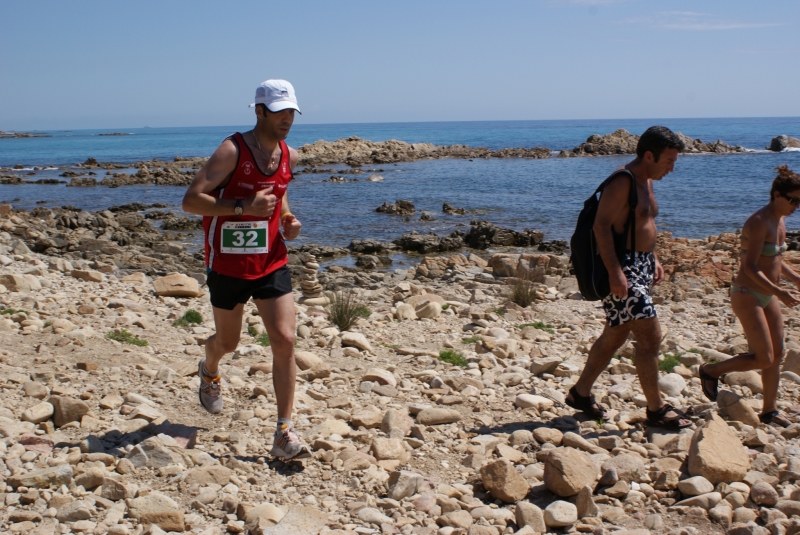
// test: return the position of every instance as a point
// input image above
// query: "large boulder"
(783, 142)
(567, 471)
(177, 285)
(717, 454)
(736, 408)
(159, 509)
(503, 481)
(67, 410)
(45, 478)
(15, 283)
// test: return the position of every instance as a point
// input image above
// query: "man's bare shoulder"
(294, 157)
(618, 187)
(227, 150)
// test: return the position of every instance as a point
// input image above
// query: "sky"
(93, 64)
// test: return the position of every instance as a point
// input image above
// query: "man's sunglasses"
(794, 201)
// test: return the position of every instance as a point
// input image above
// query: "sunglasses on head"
(794, 201)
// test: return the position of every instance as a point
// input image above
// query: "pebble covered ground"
(440, 412)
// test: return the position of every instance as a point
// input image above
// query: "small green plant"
(600, 422)
(346, 308)
(390, 346)
(124, 337)
(47, 324)
(669, 362)
(542, 326)
(11, 311)
(500, 311)
(190, 317)
(523, 292)
(263, 339)
(694, 350)
(445, 306)
(713, 360)
(452, 357)
(252, 331)
(472, 339)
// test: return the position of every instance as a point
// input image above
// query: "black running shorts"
(227, 292)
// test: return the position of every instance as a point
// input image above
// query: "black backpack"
(589, 269)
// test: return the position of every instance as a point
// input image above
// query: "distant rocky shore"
(12, 135)
(354, 152)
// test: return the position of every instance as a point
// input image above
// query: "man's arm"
(291, 225)
(612, 203)
(216, 170)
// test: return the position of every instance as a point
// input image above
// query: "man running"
(241, 194)
(629, 307)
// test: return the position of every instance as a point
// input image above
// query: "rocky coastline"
(355, 153)
(439, 412)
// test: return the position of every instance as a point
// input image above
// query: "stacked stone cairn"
(309, 285)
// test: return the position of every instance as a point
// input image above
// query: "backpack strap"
(633, 201)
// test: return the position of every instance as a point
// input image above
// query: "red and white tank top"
(248, 247)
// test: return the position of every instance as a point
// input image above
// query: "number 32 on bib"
(244, 237)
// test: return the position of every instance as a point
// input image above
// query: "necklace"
(271, 157)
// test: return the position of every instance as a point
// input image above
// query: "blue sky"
(92, 64)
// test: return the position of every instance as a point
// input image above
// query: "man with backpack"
(624, 233)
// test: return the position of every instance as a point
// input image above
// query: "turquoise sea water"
(706, 194)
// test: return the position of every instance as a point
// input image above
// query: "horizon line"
(417, 122)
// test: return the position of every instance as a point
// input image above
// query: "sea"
(705, 195)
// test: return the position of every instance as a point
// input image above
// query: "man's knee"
(613, 337)
(283, 337)
(227, 343)
(647, 333)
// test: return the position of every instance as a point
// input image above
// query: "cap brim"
(285, 105)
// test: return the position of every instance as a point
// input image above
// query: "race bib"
(244, 237)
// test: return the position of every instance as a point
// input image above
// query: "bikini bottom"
(763, 299)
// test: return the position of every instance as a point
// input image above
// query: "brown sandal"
(586, 404)
(659, 418)
(775, 419)
(710, 393)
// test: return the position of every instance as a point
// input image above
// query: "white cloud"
(694, 21)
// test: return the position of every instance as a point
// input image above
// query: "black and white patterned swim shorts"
(639, 268)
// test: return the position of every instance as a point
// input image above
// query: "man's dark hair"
(657, 138)
(263, 108)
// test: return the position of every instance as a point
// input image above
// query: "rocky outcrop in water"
(623, 142)
(368, 246)
(399, 207)
(484, 234)
(451, 210)
(14, 135)
(355, 151)
(783, 142)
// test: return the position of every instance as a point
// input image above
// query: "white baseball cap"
(276, 95)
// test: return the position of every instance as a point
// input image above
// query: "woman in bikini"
(754, 292)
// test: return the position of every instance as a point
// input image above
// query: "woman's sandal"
(710, 393)
(659, 418)
(774, 418)
(585, 404)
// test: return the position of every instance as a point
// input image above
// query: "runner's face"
(279, 123)
(665, 164)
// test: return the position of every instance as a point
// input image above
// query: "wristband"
(284, 215)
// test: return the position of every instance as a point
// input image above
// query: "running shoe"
(287, 445)
(210, 391)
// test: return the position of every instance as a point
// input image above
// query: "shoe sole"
(304, 454)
